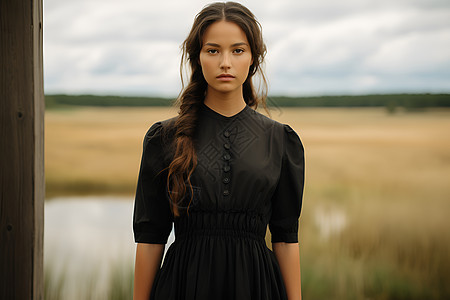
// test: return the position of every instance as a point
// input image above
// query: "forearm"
(148, 262)
(288, 258)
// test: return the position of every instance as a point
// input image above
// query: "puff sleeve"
(152, 217)
(287, 198)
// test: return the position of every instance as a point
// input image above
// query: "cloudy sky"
(315, 47)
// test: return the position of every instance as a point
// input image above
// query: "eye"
(212, 51)
(238, 51)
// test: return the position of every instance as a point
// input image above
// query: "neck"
(227, 104)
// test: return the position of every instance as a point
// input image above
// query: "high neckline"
(210, 112)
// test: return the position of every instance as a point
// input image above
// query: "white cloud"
(413, 53)
(315, 46)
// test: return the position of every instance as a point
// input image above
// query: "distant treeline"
(391, 101)
(94, 100)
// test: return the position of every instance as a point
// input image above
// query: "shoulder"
(161, 132)
(157, 145)
(164, 125)
(266, 122)
(288, 139)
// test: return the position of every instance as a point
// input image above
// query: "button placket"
(227, 167)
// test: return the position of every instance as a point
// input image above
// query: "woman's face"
(225, 57)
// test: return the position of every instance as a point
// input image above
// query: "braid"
(185, 157)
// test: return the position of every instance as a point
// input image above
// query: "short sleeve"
(288, 195)
(152, 218)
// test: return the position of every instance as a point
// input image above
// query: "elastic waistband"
(223, 224)
(220, 232)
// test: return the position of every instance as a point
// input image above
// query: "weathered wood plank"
(21, 150)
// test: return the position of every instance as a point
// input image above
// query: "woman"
(221, 172)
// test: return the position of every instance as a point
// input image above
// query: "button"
(226, 180)
(226, 192)
(227, 157)
(226, 168)
(226, 146)
(226, 133)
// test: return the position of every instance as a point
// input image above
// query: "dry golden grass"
(388, 175)
(96, 150)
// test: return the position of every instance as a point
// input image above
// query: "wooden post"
(21, 150)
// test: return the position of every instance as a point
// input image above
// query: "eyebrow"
(234, 45)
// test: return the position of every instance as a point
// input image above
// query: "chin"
(223, 89)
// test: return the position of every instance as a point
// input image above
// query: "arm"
(148, 262)
(288, 258)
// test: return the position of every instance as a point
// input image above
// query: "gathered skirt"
(219, 256)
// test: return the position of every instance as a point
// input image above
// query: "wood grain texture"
(21, 150)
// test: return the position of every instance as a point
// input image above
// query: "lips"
(225, 76)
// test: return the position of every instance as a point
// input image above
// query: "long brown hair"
(192, 95)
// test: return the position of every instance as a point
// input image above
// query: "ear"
(251, 66)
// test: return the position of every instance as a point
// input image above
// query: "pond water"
(85, 238)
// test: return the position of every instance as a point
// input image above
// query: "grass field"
(374, 223)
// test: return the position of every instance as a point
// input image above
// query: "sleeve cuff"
(150, 238)
(285, 237)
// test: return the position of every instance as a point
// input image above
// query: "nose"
(225, 62)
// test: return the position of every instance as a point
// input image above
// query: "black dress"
(250, 174)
